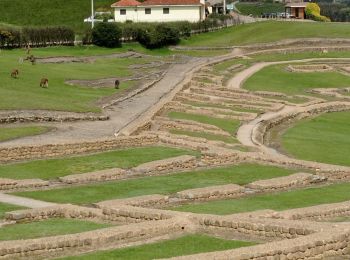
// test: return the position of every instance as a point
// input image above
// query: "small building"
(296, 10)
(159, 10)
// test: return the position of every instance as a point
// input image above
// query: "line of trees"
(11, 37)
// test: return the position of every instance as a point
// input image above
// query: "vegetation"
(323, 139)
(239, 174)
(337, 12)
(227, 125)
(277, 201)
(277, 79)
(54, 168)
(208, 136)
(272, 31)
(259, 8)
(313, 11)
(9, 133)
(190, 244)
(6, 208)
(159, 36)
(106, 35)
(50, 227)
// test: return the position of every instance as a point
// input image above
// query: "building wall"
(176, 13)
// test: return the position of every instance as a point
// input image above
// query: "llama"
(44, 83)
(116, 84)
(14, 73)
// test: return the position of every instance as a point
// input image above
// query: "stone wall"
(46, 151)
(145, 201)
(103, 175)
(10, 184)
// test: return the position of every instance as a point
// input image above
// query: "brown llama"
(116, 84)
(44, 83)
(14, 73)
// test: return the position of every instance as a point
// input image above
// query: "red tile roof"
(125, 3)
(171, 2)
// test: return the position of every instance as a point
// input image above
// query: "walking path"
(24, 202)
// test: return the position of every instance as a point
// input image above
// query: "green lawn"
(277, 201)
(227, 125)
(190, 244)
(277, 79)
(49, 227)
(4, 207)
(258, 8)
(270, 31)
(323, 139)
(9, 133)
(240, 174)
(53, 168)
(56, 12)
(208, 136)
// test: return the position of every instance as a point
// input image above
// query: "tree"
(106, 35)
(313, 11)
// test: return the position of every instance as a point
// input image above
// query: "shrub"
(313, 11)
(106, 35)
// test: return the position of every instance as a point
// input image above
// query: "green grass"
(9, 133)
(277, 79)
(53, 168)
(190, 244)
(56, 12)
(4, 207)
(277, 201)
(227, 125)
(50, 227)
(208, 136)
(323, 139)
(240, 174)
(270, 31)
(257, 8)
(233, 108)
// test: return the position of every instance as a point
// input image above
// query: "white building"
(159, 10)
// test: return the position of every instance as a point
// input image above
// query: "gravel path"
(24, 202)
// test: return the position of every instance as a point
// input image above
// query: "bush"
(313, 11)
(106, 35)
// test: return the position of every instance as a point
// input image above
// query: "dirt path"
(24, 202)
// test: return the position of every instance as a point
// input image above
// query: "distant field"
(9, 133)
(270, 31)
(6, 208)
(258, 8)
(190, 244)
(323, 139)
(54, 12)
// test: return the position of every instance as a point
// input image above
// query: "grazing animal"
(14, 73)
(44, 83)
(116, 84)
(31, 58)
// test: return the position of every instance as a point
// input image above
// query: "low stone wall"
(310, 68)
(46, 151)
(321, 245)
(10, 184)
(145, 201)
(286, 182)
(319, 212)
(7, 117)
(184, 162)
(103, 175)
(96, 239)
(213, 192)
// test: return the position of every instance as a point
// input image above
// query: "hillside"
(42, 12)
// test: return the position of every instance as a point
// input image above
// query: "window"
(147, 10)
(165, 10)
(122, 11)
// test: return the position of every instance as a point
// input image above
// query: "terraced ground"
(241, 156)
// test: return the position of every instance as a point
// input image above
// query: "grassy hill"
(269, 31)
(257, 8)
(43, 12)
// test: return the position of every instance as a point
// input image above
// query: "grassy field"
(258, 8)
(208, 136)
(270, 31)
(277, 201)
(240, 174)
(323, 139)
(277, 79)
(227, 125)
(9, 133)
(190, 244)
(50, 227)
(56, 12)
(53, 168)
(6, 208)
